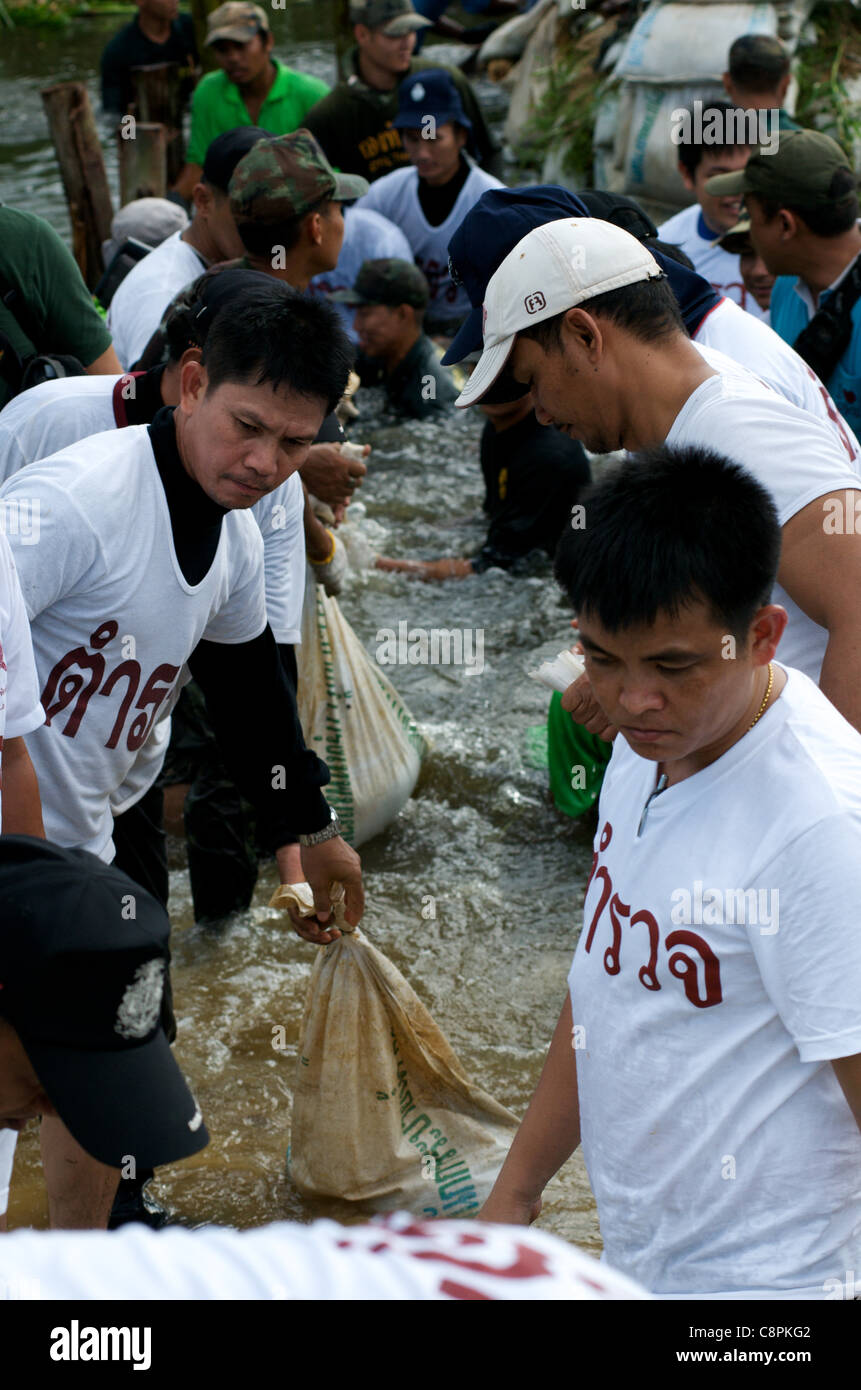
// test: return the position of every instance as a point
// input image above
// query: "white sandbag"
(383, 1111)
(646, 157)
(509, 40)
(677, 43)
(354, 719)
(531, 77)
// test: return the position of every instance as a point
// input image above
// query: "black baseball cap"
(83, 962)
(225, 151)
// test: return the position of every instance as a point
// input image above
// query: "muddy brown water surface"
(480, 836)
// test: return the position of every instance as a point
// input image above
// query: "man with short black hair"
(253, 88)
(696, 227)
(758, 76)
(757, 278)
(802, 204)
(580, 313)
(145, 293)
(708, 1053)
(390, 297)
(157, 34)
(354, 122)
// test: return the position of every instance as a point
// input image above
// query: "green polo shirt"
(217, 106)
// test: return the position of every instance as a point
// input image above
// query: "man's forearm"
(550, 1131)
(840, 680)
(22, 806)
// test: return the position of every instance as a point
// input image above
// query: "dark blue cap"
(500, 219)
(503, 216)
(429, 92)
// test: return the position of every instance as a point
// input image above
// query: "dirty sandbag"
(383, 1111)
(354, 719)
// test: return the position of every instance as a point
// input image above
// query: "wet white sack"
(354, 719)
(383, 1111)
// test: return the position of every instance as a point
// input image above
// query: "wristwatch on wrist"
(327, 833)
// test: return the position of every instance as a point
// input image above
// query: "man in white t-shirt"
(148, 567)
(709, 1052)
(696, 228)
(581, 313)
(430, 200)
(137, 307)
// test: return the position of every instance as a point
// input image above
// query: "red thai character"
(685, 969)
(606, 890)
(132, 670)
(611, 955)
(647, 975)
(75, 686)
(151, 695)
(606, 837)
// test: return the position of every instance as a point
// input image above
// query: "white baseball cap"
(553, 268)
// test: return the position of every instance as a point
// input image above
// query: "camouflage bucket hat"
(238, 21)
(386, 281)
(282, 178)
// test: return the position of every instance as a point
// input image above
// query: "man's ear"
(313, 226)
(193, 381)
(268, 41)
(727, 86)
(686, 178)
(202, 198)
(782, 89)
(789, 224)
(582, 334)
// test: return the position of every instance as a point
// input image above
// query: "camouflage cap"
(394, 17)
(238, 21)
(387, 281)
(282, 178)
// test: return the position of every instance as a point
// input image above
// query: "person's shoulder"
(184, 26)
(117, 47)
(681, 224)
(211, 88)
(815, 756)
(298, 81)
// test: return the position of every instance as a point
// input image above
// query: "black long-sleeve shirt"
(255, 719)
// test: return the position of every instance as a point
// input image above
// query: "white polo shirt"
(137, 307)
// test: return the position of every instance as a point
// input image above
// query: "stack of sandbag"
(383, 1111)
(675, 54)
(355, 720)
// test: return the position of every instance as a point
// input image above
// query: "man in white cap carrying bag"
(582, 314)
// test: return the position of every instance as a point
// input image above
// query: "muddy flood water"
(480, 836)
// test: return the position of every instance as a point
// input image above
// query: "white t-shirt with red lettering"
(717, 974)
(797, 457)
(398, 1258)
(113, 620)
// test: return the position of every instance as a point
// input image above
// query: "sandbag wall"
(675, 54)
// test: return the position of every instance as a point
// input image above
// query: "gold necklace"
(767, 694)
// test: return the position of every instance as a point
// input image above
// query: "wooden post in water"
(143, 162)
(344, 40)
(158, 100)
(76, 141)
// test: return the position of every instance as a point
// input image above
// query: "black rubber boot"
(134, 1203)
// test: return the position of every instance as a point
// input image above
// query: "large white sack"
(679, 43)
(383, 1111)
(353, 718)
(645, 157)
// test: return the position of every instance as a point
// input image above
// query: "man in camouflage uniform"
(390, 297)
(354, 122)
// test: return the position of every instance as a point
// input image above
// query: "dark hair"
(260, 238)
(298, 341)
(757, 63)
(648, 310)
(692, 151)
(665, 528)
(192, 311)
(840, 217)
(672, 252)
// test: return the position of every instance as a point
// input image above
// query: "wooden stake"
(76, 141)
(159, 92)
(143, 162)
